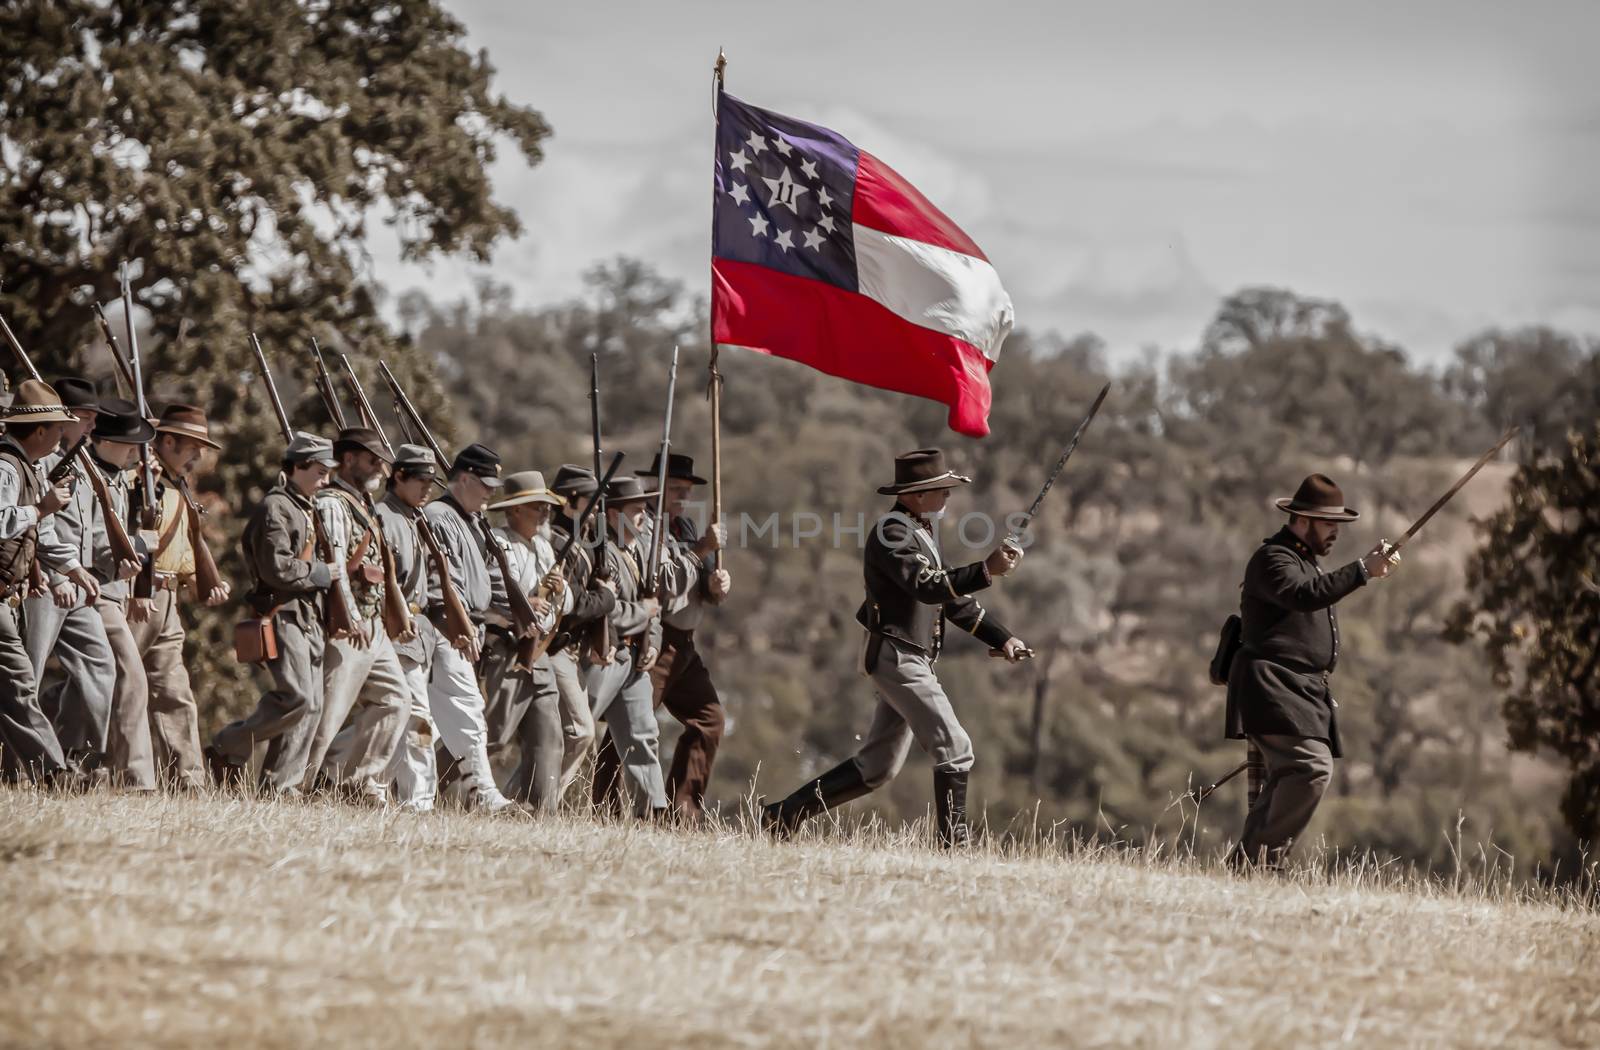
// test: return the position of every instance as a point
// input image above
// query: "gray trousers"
(1298, 771)
(911, 706)
(577, 721)
(128, 743)
(369, 682)
(77, 699)
(30, 744)
(296, 695)
(625, 699)
(523, 707)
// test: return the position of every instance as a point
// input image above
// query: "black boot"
(837, 786)
(950, 803)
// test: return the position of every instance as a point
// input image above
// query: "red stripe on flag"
(888, 203)
(848, 335)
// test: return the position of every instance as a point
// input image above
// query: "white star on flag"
(809, 167)
(784, 190)
(739, 160)
(781, 146)
(758, 226)
(756, 144)
(814, 240)
(824, 199)
(826, 222)
(784, 241)
(740, 193)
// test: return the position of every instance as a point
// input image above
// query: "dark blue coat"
(1278, 684)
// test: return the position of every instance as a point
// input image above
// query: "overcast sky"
(1433, 165)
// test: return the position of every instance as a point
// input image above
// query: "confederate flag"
(821, 253)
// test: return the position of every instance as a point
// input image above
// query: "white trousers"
(457, 704)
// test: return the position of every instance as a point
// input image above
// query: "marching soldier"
(454, 695)
(619, 684)
(523, 703)
(411, 775)
(911, 593)
(364, 670)
(182, 437)
(1278, 685)
(585, 601)
(680, 679)
(34, 423)
(278, 546)
(63, 622)
(118, 433)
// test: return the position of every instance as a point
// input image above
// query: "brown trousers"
(132, 760)
(174, 718)
(683, 686)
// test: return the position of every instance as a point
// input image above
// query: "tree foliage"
(1534, 603)
(237, 155)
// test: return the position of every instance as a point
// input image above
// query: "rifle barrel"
(272, 390)
(369, 418)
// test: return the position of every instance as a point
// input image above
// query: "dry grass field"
(219, 922)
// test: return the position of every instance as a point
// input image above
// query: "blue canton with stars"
(784, 195)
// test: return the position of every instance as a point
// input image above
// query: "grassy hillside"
(215, 921)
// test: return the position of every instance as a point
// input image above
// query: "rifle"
(397, 619)
(324, 384)
(339, 613)
(1015, 536)
(537, 644)
(1200, 794)
(121, 545)
(652, 572)
(1439, 503)
(149, 507)
(206, 576)
(600, 634)
(369, 418)
(524, 620)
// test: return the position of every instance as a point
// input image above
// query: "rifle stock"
(207, 578)
(458, 626)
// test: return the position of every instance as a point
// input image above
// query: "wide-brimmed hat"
(309, 448)
(186, 421)
(626, 490)
(1318, 497)
(922, 471)
(525, 486)
(119, 420)
(361, 439)
(416, 461)
(481, 461)
(678, 466)
(573, 480)
(77, 393)
(37, 402)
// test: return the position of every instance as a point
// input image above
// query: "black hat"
(922, 471)
(119, 421)
(626, 490)
(678, 466)
(1318, 497)
(77, 393)
(482, 462)
(573, 480)
(361, 439)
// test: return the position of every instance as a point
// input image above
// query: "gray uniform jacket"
(275, 538)
(74, 523)
(102, 560)
(465, 548)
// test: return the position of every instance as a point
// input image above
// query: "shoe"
(843, 783)
(224, 774)
(950, 805)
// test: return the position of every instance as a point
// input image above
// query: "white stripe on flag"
(934, 287)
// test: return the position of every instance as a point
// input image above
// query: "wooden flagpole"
(715, 389)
